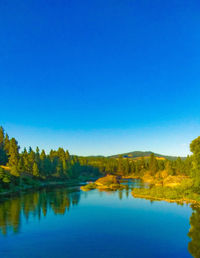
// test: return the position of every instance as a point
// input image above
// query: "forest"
(19, 169)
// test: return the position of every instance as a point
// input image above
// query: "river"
(67, 222)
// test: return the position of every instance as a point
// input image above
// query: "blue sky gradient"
(101, 77)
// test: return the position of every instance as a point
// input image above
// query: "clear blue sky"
(101, 77)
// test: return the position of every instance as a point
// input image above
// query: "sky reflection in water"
(66, 222)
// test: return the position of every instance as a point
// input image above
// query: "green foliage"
(179, 193)
(14, 171)
(153, 164)
(13, 153)
(3, 147)
(60, 164)
(6, 179)
(35, 169)
(1, 172)
(139, 154)
(195, 148)
(88, 187)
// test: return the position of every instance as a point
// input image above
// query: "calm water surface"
(66, 222)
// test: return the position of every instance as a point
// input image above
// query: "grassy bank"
(169, 194)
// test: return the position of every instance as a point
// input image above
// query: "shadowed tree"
(195, 148)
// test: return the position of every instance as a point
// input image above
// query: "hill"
(146, 154)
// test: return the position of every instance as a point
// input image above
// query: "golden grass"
(5, 167)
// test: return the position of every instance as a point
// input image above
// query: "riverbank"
(160, 193)
(179, 201)
(162, 179)
(164, 187)
(38, 184)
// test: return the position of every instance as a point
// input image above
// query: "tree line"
(59, 164)
(125, 166)
(36, 164)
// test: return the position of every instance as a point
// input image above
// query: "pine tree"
(3, 156)
(64, 166)
(37, 157)
(25, 161)
(61, 154)
(14, 170)
(132, 167)
(35, 169)
(1, 137)
(179, 165)
(153, 164)
(127, 167)
(195, 148)
(20, 165)
(6, 144)
(59, 168)
(42, 163)
(67, 156)
(13, 153)
(142, 164)
(31, 160)
(120, 164)
(168, 168)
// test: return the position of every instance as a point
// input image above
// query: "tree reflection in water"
(35, 204)
(194, 233)
(59, 200)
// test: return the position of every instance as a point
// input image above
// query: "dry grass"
(5, 167)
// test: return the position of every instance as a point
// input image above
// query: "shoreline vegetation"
(168, 179)
(36, 184)
(178, 201)
(177, 189)
(107, 183)
(171, 189)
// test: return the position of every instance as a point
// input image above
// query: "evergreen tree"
(42, 163)
(20, 165)
(168, 168)
(3, 155)
(31, 160)
(14, 170)
(1, 137)
(35, 169)
(67, 156)
(25, 162)
(37, 157)
(153, 164)
(120, 164)
(127, 167)
(13, 153)
(142, 164)
(6, 144)
(179, 165)
(195, 148)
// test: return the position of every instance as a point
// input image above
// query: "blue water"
(63, 222)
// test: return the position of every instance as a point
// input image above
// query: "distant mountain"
(139, 154)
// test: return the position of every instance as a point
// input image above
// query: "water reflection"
(59, 201)
(194, 233)
(41, 202)
(35, 204)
